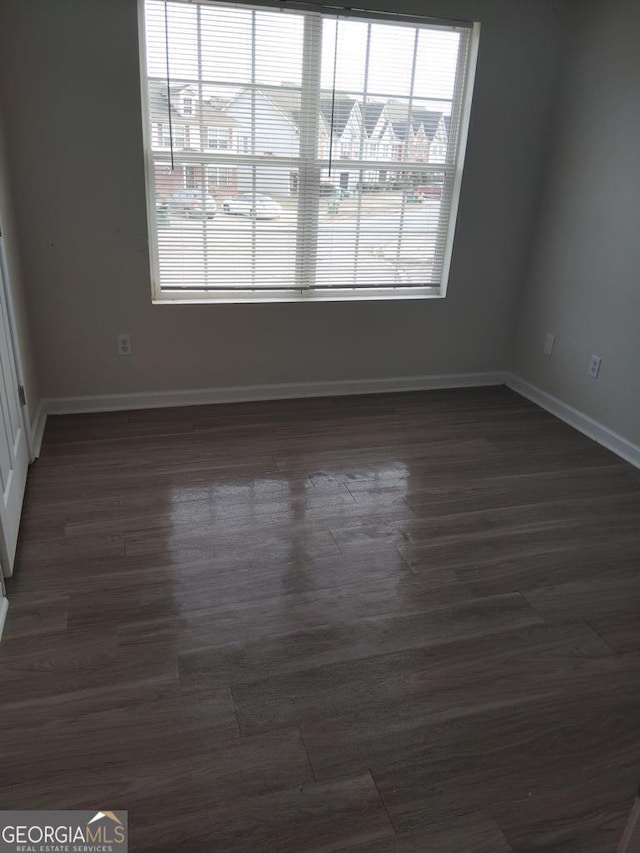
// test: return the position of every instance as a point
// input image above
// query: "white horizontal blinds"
(225, 144)
(396, 102)
(289, 151)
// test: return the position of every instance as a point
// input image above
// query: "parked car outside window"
(192, 204)
(256, 205)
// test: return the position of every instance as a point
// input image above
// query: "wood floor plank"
(21, 711)
(167, 500)
(38, 667)
(50, 552)
(578, 562)
(586, 816)
(396, 732)
(54, 488)
(218, 585)
(473, 833)
(250, 590)
(402, 528)
(225, 508)
(434, 678)
(511, 519)
(600, 598)
(87, 456)
(515, 488)
(170, 767)
(508, 753)
(37, 616)
(458, 553)
(314, 818)
(619, 630)
(189, 547)
(294, 611)
(94, 430)
(246, 660)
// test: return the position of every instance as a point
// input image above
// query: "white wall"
(584, 284)
(69, 75)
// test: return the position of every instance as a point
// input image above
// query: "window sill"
(395, 295)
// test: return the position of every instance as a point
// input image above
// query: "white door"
(14, 452)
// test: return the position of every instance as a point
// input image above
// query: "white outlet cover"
(594, 366)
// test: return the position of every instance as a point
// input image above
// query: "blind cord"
(166, 51)
(333, 96)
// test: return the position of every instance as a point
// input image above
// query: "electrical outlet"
(549, 343)
(124, 345)
(594, 366)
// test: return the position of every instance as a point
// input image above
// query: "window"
(219, 176)
(187, 106)
(167, 135)
(163, 136)
(217, 137)
(190, 177)
(340, 139)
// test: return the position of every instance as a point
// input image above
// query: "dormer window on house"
(322, 152)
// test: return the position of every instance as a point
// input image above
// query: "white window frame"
(166, 132)
(310, 170)
(163, 135)
(215, 173)
(218, 139)
(192, 172)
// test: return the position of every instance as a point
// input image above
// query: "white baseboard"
(37, 429)
(293, 390)
(583, 423)
(4, 606)
(283, 391)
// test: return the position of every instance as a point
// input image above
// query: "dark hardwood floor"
(381, 624)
